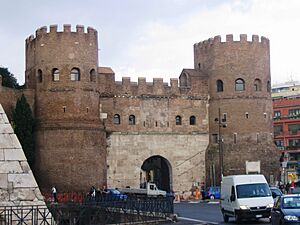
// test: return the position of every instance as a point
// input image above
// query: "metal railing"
(92, 211)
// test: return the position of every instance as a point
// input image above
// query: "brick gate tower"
(240, 106)
(70, 140)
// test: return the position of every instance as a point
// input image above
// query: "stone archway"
(157, 169)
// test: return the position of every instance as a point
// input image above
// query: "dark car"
(286, 210)
(212, 192)
(115, 194)
(275, 192)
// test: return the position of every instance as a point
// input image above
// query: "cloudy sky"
(154, 38)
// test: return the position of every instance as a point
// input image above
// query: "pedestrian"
(292, 187)
(54, 194)
(92, 193)
(203, 191)
(287, 188)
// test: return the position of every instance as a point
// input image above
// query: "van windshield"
(253, 190)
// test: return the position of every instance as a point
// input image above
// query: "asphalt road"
(195, 213)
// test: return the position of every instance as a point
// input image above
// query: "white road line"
(194, 220)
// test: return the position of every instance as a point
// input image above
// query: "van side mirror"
(232, 198)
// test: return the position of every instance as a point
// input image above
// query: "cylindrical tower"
(70, 140)
(240, 106)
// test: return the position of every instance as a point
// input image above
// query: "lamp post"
(221, 123)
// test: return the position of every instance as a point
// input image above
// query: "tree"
(23, 125)
(8, 79)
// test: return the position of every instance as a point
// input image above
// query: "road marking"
(194, 220)
(213, 202)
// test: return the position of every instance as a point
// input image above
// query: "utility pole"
(221, 123)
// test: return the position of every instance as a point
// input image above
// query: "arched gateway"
(157, 169)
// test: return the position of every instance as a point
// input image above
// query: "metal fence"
(92, 211)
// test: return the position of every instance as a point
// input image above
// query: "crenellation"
(174, 82)
(80, 29)
(255, 38)
(264, 40)
(142, 86)
(53, 28)
(243, 38)
(217, 39)
(41, 31)
(67, 28)
(229, 38)
(91, 30)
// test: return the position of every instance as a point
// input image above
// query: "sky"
(154, 38)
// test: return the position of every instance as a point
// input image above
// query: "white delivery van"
(245, 197)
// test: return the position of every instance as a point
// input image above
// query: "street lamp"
(221, 123)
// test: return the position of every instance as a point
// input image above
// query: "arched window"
(219, 85)
(192, 120)
(93, 75)
(178, 120)
(75, 74)
(131, 120)
(239, 85)
(268, 86)
(117, 119)
(40, 76)
(257, 85)
(55, 74)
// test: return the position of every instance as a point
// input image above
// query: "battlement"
(229, 40)
(67, 28)
(156, 87)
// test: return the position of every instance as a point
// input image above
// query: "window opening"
(178, 120)
(131, 120)
(93, 75)
(234, 138)
(192, 120)
(239, 85)
(219, 86)
(257, 85)
(75, 74)
(116, 119)
(40, 76)
(55, 74)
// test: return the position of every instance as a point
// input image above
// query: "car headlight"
(244, 207)
(291, 218)
(270, 205)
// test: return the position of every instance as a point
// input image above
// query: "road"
(196, 213)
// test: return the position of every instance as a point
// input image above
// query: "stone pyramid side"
(17, 183)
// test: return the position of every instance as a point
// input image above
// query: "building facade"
(286, 104)
(93, 130)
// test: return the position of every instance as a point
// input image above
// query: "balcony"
(292, 148)
(288, 117)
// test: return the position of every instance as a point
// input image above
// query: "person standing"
(54, 194)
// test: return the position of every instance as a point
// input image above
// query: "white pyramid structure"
(17, 183)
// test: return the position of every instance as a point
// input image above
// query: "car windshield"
(253, 190)
(291, 202)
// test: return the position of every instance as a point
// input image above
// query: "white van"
(245, 197)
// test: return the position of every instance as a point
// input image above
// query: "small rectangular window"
(234, 138)
(214, 138)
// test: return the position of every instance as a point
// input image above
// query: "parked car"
(286, 210)
(116, 194)
(212, 192)
(275, 192)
